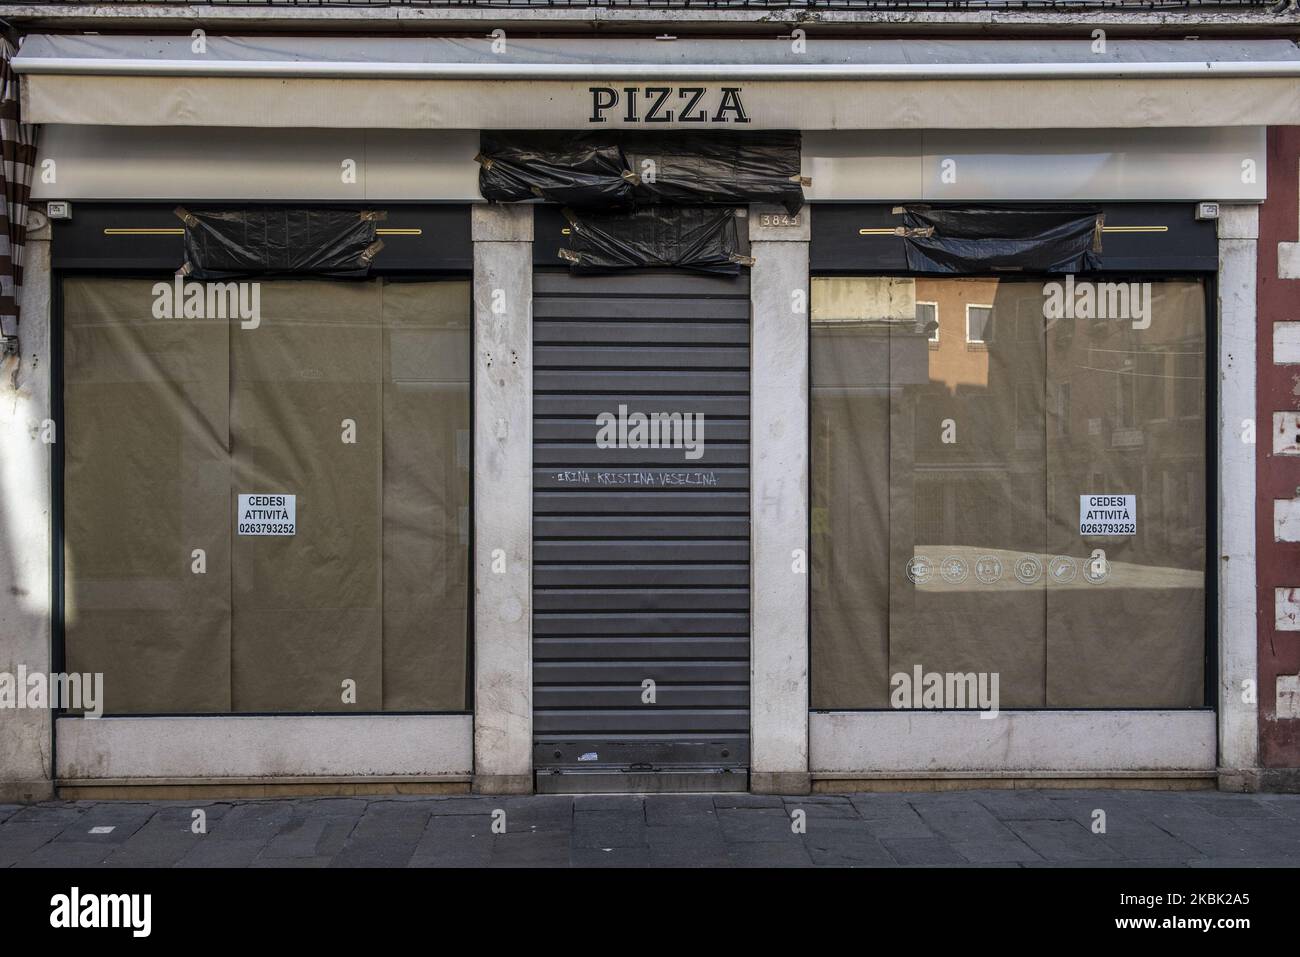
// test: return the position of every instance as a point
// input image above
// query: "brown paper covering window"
(1041, 412)
(168, 420)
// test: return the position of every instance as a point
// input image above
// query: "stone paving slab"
(993, 828)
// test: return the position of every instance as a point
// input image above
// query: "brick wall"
(1277, 459)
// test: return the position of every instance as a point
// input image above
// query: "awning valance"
(472, 83)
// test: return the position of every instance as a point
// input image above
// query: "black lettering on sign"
(728, 106)
(688, 115)
(730, 103)
(602, 98)
(662, 94)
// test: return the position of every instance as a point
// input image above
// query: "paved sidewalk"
(1024, 828)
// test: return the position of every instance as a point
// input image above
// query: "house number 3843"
(778, 219)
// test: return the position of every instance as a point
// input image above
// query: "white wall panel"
(143, 163)
(1226, 163)
(870, 742)
(280, 746)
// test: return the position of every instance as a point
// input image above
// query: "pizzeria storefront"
(690, 419)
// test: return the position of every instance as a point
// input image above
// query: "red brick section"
(1278, 563)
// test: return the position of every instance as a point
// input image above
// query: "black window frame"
(81, 249)
(1181, 247)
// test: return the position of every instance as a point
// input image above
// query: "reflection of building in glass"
(969, 426)
(1115, 410)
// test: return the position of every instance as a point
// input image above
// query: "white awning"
(407, 82)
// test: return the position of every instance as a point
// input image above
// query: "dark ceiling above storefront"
(672, 18)
(741, 4)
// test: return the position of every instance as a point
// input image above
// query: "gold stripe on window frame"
(890, 231)
(178, 231)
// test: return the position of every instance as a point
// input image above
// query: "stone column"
(779, 501)
(1238, 713)
(503, 498)
(26, 599)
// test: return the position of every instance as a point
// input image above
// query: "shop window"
(966, 551)
(347, 406)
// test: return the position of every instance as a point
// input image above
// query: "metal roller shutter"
(641, 555)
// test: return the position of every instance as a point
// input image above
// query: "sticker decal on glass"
(1107, 514)
(266, 513)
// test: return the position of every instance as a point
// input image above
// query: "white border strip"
(859, 743)
(321, 69)
(268, 748)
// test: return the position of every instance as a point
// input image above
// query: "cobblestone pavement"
(1005, 828)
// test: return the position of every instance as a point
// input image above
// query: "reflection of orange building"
(981, 439)
(1064, 408)
(953, 360)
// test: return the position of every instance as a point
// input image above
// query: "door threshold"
(667, 781)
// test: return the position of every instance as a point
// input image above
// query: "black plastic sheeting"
(623, 170)
(565, 168)
(222, 244)
(974, 239)
(701, 238)
(729, 168)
